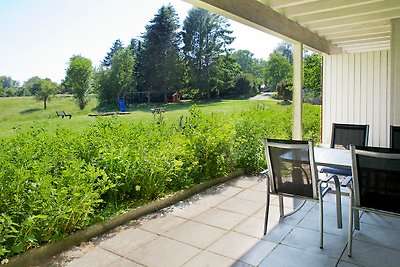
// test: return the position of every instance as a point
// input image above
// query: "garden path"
(223, 226)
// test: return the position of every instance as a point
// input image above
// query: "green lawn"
(20, 114)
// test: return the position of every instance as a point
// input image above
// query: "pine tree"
(160, 64)
(206, 38)
(117, 45)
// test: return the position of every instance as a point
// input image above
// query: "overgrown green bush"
(53, 184)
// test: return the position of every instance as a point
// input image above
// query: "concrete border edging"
(43, 253)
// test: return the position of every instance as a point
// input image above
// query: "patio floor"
(223, 226)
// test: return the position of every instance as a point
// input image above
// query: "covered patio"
(360, 42)
(223, 226)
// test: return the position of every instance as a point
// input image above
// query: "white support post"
(297, 132)
(395, 72)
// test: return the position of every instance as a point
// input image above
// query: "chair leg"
(356, 219)
(338, 203)
(266, 213)
(281, 207)
(350, 230)
(321, 216)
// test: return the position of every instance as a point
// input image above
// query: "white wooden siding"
(356, 90)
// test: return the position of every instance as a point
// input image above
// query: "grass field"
(20, 114)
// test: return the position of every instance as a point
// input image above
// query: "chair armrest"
(328, 178)
(347, 181)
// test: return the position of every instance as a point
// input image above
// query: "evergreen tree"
(206, 37)
(117, 45)
(160, 64)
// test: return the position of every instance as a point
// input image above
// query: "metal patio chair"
(375, 185)
(395, 137)
(344, 135)
(292, 173)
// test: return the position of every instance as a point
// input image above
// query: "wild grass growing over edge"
(55, 181)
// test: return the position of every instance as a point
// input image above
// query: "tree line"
(194, 59)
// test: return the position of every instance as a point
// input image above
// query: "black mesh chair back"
(292, 168)
(344, 135)
(395, 137)
(376, 184)
(376, 174)
(292, 172)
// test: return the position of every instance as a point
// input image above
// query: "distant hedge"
(54, 184)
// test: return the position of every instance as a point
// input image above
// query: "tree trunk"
(45, 103)
(165, 97)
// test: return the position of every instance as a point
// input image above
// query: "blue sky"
(39, 36)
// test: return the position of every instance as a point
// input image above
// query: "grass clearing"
(21, 114)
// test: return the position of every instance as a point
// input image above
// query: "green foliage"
(285, 50)
(117, 45)
(78, 78)
(116, 81)
(206, 38)
(245, 85)
(45, 89)
(161, 67)
(10, 87)
(278, 69)
(54, 183)
(313, 75)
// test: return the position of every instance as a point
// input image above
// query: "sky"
(38, 37)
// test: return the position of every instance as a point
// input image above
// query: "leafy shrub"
(53, 184)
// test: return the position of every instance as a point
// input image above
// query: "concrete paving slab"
(165, 252)
(245, 207)
(220, 218)
(233, 245)
(127, 241)
(96, 256)
(196, 234)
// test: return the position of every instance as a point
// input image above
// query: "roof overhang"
(327, 26)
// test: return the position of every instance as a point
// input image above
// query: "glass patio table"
(328, 157)
(331, 157)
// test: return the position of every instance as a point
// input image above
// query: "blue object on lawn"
(121, 104)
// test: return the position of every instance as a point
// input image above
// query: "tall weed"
(54, 183)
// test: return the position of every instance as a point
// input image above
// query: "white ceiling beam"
(367, 49)
(360, 38)
(284, 3)
(360, 42)
(259, 16)
(385, 15)
(357, 32)
(349, 12)
(365, 45)
(321, 6)
(346, 28)
(353, 49)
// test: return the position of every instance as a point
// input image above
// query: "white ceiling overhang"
(328, 26)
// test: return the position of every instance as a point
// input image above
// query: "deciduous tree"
(78, 78)
(278, 69)
(313, 75)
(45, 89)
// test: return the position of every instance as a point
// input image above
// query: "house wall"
(356, 89)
